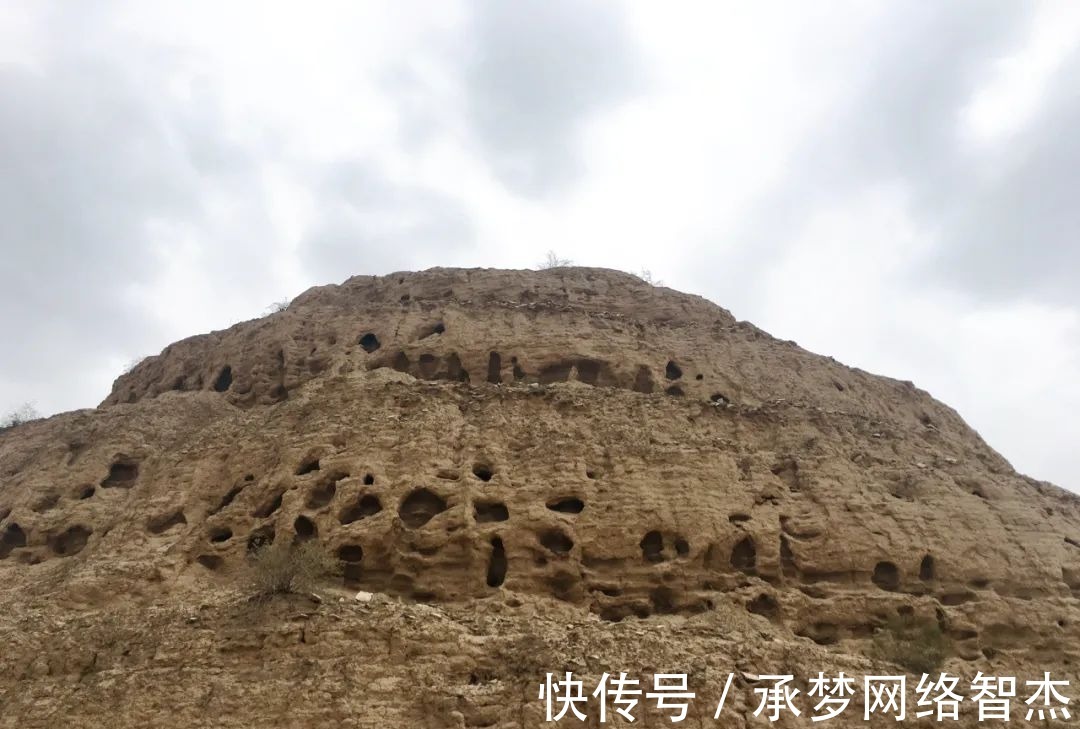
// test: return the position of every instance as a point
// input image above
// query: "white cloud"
(888, 183)
(842, 289)
(1013, 96)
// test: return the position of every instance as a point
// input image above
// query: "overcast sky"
(894, 184)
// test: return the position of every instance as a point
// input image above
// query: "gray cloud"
(996, 219)
(898, 125)
(537, 72)
(96, 160)
(531, 74)
(1015, 236)
(902, 120)
(77, 177)
(368, 224)
(105, 164)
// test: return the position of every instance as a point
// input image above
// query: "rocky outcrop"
(485, 448)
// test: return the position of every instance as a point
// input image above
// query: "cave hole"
(764, 605)
(164, 523)
(326, 489)
(494, 372)
(367, 505)
(224, 379)
(588, 371)
(308, 465)
(886, 576)
(122, 474)
(556, 372)
(220, 534)
(926, 568)
(350, 553)
(490, 511)
(305, 528)
(496, 572)
(211, 562)
(643, 380)
(369, 342)
(431, 330)
(13, 538)
(269, 506)
(652, 547)
(322, 495)
(46, 503)
(672, 371)
(419, 507)
(429, 366)
(70, 541)
(228, 498)
(568, 505)
(663, 600)
(744, 555)
(454, 370)
(556, 542)
(482, 471)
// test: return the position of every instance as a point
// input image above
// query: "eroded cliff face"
(568, 463)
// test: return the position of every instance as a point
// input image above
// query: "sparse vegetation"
(553, 261)
(647, 276)
(22, 414)
(132, 364)
(277, 306)
(284, 567)
(917, 644)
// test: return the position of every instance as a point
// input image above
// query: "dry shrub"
(552, 260)
(917, 644)
(285, 567)
(23, 414)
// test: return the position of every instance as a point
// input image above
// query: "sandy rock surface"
(521, 472)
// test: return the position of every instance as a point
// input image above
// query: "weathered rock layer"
(504, 445)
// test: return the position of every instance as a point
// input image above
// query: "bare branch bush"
(22, 414)
(553, 261)
(281, 568)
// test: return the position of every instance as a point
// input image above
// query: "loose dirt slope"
(534, 471)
